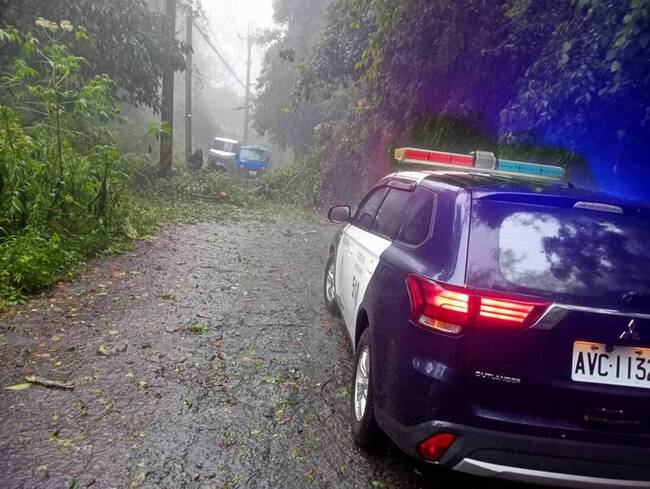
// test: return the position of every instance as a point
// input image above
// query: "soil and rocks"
(204, 358)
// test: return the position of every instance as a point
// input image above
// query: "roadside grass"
(69, 189)
(33, 261)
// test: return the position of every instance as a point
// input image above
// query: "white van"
(223, 154)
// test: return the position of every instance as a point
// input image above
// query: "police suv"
(500, 319)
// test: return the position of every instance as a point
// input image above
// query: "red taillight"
(432, 449)
(506, 310)
(449, 308)
(434, 306)
(493, 310)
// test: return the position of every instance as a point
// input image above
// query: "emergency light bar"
(533, 169)
(479, 162)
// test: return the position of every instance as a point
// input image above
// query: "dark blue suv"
(500, 321)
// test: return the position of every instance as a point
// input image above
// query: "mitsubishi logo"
(628, 297)
(630, 333)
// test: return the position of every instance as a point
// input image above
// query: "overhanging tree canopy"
(129, 42)
(567, 73)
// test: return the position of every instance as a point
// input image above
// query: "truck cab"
(253, 160)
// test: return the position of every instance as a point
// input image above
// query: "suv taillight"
(451, 309)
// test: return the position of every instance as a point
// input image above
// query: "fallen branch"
(48, 383)
(211, 198)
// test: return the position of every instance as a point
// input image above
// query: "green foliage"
(460, 135)
(157, 129)
(204, 185)
(299, 183)
(60, 177)
(66, 192)
(33, 260)
(516, 76)
(594, 57)
(121, 38)
(288, 121)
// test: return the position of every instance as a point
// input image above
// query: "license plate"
(623, 365)
(252, 173)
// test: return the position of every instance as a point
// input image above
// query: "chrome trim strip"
(486, 469)
(550, 318)
(598, 206)
(557, 312)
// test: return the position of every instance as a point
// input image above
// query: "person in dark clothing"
(196, 160)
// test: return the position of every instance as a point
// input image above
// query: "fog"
(230, 21)
(324, 243)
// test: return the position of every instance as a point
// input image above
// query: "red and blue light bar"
(480, 162)
(437, 157)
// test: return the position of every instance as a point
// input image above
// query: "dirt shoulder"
(204, 358)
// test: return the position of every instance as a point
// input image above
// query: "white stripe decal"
(358, 256)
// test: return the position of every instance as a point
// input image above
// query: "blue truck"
(253, 160)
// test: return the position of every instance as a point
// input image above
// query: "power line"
(236, 14)
(206, 78)
(227, 7)
(220, 56)
(231, 25)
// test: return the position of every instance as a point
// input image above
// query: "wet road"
(204, 358)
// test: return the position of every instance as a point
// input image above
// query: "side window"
(417, 219)
(368, 208)
(389, 217)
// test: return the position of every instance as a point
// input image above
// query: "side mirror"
(340, 214)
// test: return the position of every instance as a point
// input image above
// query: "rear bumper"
(519, 474)
(252, 168)
(526, 458)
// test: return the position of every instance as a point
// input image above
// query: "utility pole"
(167, 106)
(248, 84)
(189, 21)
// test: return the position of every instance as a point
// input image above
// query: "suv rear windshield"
(558, 250)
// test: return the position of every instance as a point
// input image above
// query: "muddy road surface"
(204, 358)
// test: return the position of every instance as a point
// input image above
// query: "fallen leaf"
(18, 387)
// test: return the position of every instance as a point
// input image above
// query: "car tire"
(365, 431)
(329, 291)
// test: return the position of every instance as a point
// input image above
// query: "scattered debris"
(195, 328)
(224, 386)
(49, 383)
